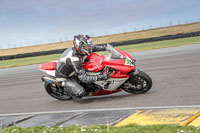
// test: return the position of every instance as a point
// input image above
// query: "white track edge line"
(104, 109)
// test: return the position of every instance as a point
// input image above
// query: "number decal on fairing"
(128, 61)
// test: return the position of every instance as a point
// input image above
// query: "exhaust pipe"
(50, 80)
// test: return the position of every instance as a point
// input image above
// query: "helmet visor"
(86, 47)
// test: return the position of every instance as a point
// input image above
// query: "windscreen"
(114, 53)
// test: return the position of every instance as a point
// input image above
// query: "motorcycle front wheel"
(56, 92)
(138, 84)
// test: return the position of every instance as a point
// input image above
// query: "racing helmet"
(83, 44)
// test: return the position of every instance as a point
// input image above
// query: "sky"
(32, 22)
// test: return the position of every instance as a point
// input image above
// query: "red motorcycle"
(118, 64)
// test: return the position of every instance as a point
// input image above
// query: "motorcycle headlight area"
(129, 62)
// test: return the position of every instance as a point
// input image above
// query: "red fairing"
(105, 92)
(48, 66)
(118, 65)
(93, 62)
(119, 74)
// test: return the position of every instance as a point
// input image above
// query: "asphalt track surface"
(175, 73)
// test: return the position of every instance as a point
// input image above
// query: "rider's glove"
(103, 76)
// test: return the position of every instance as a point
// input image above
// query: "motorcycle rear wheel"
(138, 84)
(56, 92)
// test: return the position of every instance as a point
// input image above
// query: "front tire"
(56, 92)
(138, 84)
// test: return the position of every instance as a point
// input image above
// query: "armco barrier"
(130, 42)
(9, 57)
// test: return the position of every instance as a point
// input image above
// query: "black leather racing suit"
(70, 65)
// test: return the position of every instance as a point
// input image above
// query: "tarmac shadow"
(109, 97)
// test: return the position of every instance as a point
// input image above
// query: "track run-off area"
(175, 73)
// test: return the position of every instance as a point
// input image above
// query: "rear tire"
(138, 84)
(56, 92)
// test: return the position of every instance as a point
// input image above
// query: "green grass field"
(104, 129)
(128, 48)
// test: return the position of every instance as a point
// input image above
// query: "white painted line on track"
(104, 109)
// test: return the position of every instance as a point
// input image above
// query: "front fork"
(134, 72)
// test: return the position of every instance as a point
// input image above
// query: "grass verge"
(159, 44)
(104, 129)
(128, 48)
(28, 61)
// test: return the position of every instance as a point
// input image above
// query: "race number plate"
(128, 62)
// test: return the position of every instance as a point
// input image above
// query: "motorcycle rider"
(69, 68)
